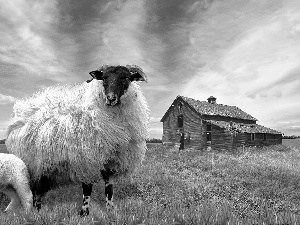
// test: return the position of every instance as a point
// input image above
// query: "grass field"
(254, 186)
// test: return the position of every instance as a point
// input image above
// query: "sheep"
(14, 182)
(82, 133)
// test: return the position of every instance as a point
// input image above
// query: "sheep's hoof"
(110, 206)
(84, 212)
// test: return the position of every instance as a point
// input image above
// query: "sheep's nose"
(111, 97)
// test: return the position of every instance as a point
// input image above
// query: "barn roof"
(242, 127)
(206, 108)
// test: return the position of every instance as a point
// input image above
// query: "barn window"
(208, 132)
(180, 121)
(265, 137)
(180, 107)
(208, 136)
(208, 127)
(252, 137)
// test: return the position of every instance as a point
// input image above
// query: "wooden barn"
(205, 125)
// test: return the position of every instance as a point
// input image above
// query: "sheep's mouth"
(113, 103)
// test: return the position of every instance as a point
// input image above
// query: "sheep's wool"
(70, 130)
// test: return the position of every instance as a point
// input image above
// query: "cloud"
(156, 132)
(3, 129)
(296, 127)
(262, 53)
(5, 99)
(23, 42)
(2, 133)
(118, 40)
(28, 44)
(154, 119)
(155, 127)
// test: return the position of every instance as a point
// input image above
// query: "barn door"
(180, 126)
(181, 141)
(180, 121)
(208, 136)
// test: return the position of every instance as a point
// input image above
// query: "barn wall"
(191, 127)
(278, 138)
(241, 139)
(221, 139)
(245, 139)
(167, 131)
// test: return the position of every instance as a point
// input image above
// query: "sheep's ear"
(137, 74)
(97, 74)
(137, 77)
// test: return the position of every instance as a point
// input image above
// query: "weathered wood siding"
(220, 139)
(244, 139)
(191, 127)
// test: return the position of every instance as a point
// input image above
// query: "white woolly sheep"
(14, 182)
(82, 133)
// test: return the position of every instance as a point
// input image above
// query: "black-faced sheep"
(14, 182)
(82, 133)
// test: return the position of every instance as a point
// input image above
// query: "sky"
(245, 53)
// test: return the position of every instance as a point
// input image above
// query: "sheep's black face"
(116, 80)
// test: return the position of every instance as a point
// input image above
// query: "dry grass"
(293, 143)
(257, 186)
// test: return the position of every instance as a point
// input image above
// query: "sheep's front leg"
(87, 191)
(39, 189)
(108, 189)
(37, 201)
(25, 194)
(109, 195)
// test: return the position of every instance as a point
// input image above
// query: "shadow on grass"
(4, 201)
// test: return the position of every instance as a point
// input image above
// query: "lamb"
(82, 133)
(14, 182)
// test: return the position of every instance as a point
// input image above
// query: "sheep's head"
(116, 80)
